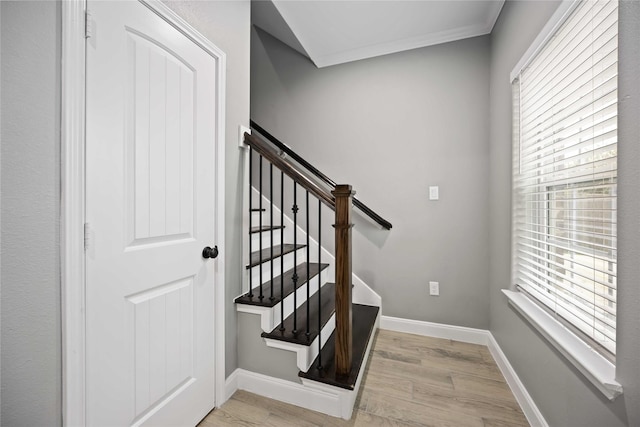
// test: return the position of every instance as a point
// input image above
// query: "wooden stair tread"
(364, 319)
(301, 270)
(266, 228)
(265, 254)
(327, 308)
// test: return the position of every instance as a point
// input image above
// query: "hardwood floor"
(410, 381)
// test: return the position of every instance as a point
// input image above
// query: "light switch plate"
(434, 288)
(434, 193)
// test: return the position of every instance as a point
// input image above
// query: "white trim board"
(72, 219)
(72, 212)
(557, 19)
(436, 330)
(473, 336)
(531, 411)
(595, 367)
(324, 401)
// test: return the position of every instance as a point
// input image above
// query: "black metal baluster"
(250, 219)
(281, 256)
(294, 279)
(308, 274)
(271, 223)
(260, 229)
(319, 283)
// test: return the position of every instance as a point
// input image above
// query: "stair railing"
(319, 175)
(340, 200)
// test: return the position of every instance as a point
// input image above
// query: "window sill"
(589, 362)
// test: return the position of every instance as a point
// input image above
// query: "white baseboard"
(230, 387)
(324, 401)
(473, 336)
(437, 330)
(531, 411)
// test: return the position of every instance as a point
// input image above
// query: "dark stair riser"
(301, 270)
(327, 293)
(364, 320)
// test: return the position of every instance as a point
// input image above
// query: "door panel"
(163, 324)
(151, 138)
(160, 140)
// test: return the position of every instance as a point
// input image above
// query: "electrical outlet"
(434, 288)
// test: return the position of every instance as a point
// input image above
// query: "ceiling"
(334, 32)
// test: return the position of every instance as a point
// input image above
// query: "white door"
(150, 194)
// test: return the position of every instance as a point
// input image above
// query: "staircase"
(300, 291)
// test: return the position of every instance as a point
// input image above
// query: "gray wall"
(563, 395)
(31, 336)
(30, 168)
(391, 127)
(255, 356)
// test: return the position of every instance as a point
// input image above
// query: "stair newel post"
(250, 220)
(271, 224)
(294, 279)
(281, 258)
(319, 283)
(344, 338)
(261, 296)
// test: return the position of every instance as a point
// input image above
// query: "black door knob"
(210, 252)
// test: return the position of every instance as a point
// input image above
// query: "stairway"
(292, 276)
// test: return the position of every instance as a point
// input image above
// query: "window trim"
(557, 19)
(593, 365)
(599, 370)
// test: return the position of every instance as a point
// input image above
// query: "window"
(564, 172)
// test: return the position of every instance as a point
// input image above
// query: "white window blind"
(565, 161)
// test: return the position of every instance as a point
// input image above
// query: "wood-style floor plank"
(284, 410)
(410, 411)
(470, 385)
(410, 381)
(389, 384)
(476, 406)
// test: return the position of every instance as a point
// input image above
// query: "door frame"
(72, 221)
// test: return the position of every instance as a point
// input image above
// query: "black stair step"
(287, 280)
(266, 228)
(300, 336)
(265, 254)
(364, 319)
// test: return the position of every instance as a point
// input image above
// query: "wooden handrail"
(285, 166)
(324, 178)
